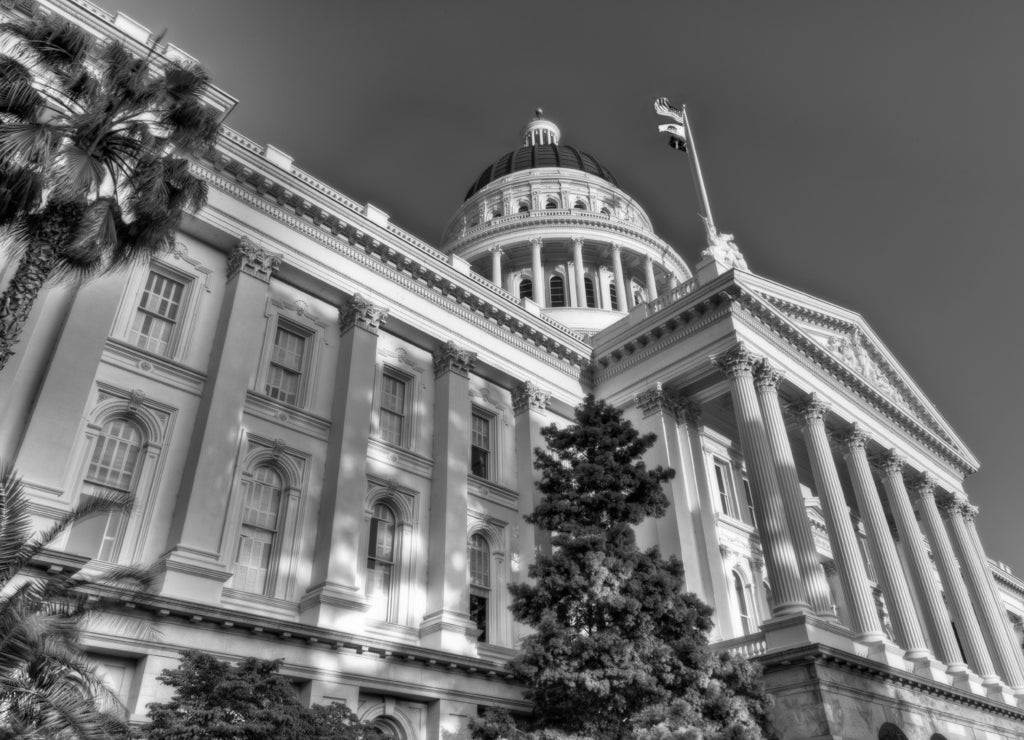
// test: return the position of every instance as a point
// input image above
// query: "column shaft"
(887, 562)
(1002, 650)
(845, 552)
(496, 266)
(577, 262)
(767, 380)
(652, 285)
(788, 592)
(540, 286)
(968, 628)
(622, 297)
(935, 616)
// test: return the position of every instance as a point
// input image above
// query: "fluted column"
(788, 593)
(652, 285)
(529, 406)
(333, 581)
(496, 265)
(955, 509)
(968, 628)
(846, 555)
(934, 616)
(894, 585)
(577, 263)
(766, 381)
(540, 286)
(622, 296)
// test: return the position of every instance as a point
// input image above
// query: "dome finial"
(540, 131)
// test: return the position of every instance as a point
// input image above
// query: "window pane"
(285, 374)
(116, 455)
(392, 409)
(480, 446)
(260, 511)
(380, 558)
(478, 613)
(288, 349)
(283, 384)
(526, 288)
(588, 287)
(479, 561)
(158, 310)
(557, 291)
(614, 296)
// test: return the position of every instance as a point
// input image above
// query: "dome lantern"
(540, 131)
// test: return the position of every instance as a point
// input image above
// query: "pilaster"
(335, 597)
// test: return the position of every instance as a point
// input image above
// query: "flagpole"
(698, 175)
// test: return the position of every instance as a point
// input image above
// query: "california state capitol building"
(327, 425)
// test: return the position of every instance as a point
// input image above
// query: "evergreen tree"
(619, 649)
(214, 700)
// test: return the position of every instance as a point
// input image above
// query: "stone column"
(622, 296)
(334, 586)
(540, 286)
(788, 593)
(956, 510)
(496, 265)
(766, 381)
(935, 616)
(970, 514)
(894, 586)
(845, 553)
(529, 405)
(195, 566)
(652, 285)
(577, 263)
(446, 625)
(968, 628)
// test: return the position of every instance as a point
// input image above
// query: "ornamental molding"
(252, 260)
(450, 359)
(661, 400)
(737, 362)
(526, 396)
(358, 311)
(767, 377)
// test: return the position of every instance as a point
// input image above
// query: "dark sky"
(868, 153)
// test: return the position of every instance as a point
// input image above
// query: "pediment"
(847, 339)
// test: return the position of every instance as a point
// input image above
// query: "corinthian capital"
(809, 409)
(891, 463)
(922, 485)
(449, 358)
(252, 260)
(766, 376)
(854, 438)
(526, 397)
(577, 242)
(737, 361)
(360, 312)
(956, 505)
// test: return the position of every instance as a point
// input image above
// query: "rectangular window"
(392, 409)
(750, 502)
(157, 315)
(480, 446)
(722, 486)
(284, 379)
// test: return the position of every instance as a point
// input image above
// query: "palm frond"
(34, 144)
(57, 42)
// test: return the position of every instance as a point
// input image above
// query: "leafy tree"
(619, 649)
(214, 700)
(93, 147)
(48, 686)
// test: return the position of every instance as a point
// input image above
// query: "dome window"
(556, 291)
(526, 288)
(605, 211)
(613, 296)
(588, 289)
(580, 206)
(524, 207)
(496, 213)
(551, 204)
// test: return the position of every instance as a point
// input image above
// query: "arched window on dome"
(579, 206)
(551, 204)
(742, 603)
(591, 294)
(496, 213)
(556, 291)
(526, 288)
(380, 560)
(257, 539)
(112, 471)
(524, 207)
(889, 731)
(605, 211)
(613, 296)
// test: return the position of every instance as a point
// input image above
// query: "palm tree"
(94, 147)
(48, 686)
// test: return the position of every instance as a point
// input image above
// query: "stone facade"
(328, 425)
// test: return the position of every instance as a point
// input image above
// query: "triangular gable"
(849, 340)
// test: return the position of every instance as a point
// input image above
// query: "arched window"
(580, 205)
(742, 604)
(526, 288)
(613, 295)
(556, 291)
(479, 556)
(889, 731)
(551, 204)
(380, 559)
(591, 294)
(496, 213)
(113, 466)
(524, 207)
(605, 211)
(261, 515)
